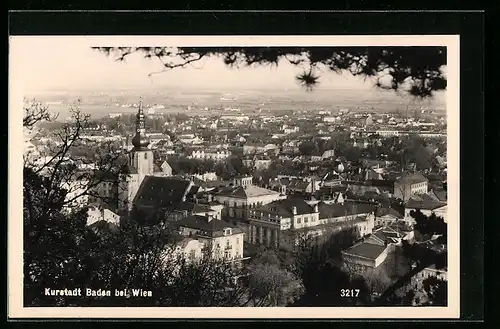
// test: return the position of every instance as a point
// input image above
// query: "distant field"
(94, 102)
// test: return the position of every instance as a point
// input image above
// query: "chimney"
(209, 198)
(195, 199)
(316, 208)
(294, 210)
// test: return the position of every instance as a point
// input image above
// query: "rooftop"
(414, 178)
(335, 225)
(161, 191)
(193, 207)
(284, 207)
(202, 223)
(345, 209)
(365, 250)
(246, 192)
(387, 211)
(424, 204)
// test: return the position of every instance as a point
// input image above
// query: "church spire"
(140, 140)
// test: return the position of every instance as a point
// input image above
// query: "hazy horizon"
(71, 65)
(67, 69)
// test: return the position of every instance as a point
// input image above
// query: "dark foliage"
(436, 290)
(415, 70)
(429, 225)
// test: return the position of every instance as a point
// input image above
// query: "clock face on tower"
(138, 130)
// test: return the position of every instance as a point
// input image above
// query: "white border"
(15, 223)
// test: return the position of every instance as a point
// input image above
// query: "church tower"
(141, 157)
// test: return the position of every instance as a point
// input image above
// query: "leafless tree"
(35, 112)
(61, 180)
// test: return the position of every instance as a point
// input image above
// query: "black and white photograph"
(264, 176)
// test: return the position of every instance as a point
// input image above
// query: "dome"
(140, 141)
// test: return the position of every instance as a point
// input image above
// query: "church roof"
(161, 191)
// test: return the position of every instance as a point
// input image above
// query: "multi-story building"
(222, 239)
(432, 271)
(427, 207)
(270, 149)
(296, 184)
(216, 155)
(257, 162)
(374, 248)
(243, 196)
(287, 222)
(386, 216)
(266, 222)
(411, 184)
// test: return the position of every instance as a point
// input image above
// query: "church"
(140, 168)
(140, 164)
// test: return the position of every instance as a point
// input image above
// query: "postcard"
(234, 177)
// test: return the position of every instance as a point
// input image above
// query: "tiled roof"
(284, 207)
(387, 234)
(331, 190)
(161, 191)
(418, 203)
(346, 209)
(201, 223)
(192, 207)
(436, 177)
(246, 192)
(365, 250)
(414, 178)
(387, 211)
(438, 195)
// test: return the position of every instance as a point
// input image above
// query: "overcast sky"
(48, 63)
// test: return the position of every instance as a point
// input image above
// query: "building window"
(298, 221)
(192, 254)
(306, 219)
(145, 155)
(238, 241)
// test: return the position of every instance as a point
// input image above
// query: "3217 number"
(349, 292)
